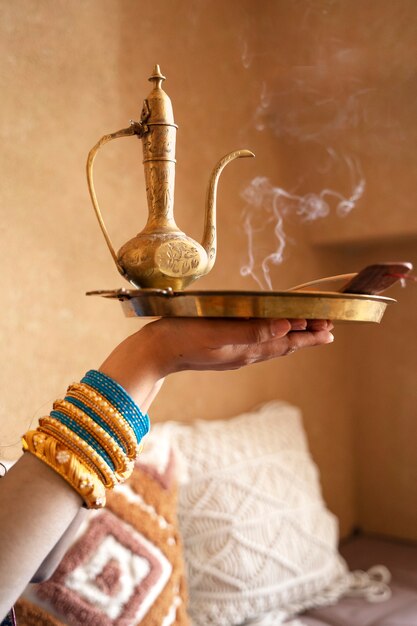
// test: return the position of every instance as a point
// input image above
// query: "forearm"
(37, 506)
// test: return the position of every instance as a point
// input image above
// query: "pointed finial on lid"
(157, 77)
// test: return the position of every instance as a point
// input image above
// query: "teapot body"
(162, 260)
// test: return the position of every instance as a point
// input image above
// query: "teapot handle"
(136, 128)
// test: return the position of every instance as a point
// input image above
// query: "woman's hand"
(166, 346)
(222, 344)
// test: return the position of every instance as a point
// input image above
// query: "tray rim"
(129, 294)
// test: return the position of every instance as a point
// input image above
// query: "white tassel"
(372, 586)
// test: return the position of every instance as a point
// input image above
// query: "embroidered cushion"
(257, 534)
(125, 567)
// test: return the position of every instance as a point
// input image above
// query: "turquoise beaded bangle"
(120, 399)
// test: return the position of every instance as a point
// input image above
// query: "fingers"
(279, 328)
(220, 344)
(306, 339)
(220, 331)
(298, 324)
(319, 325)
(246, 332)
(290, 343)
(302, 324)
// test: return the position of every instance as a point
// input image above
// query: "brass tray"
(245, 304)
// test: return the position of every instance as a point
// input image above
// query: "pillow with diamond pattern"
(125, 567)
(257, 535)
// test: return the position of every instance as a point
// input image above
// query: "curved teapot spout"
(209, 242)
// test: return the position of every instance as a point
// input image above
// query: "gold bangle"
(115, 420)
(84, 458)
(65, 463)
(122, 464)
(81, 448)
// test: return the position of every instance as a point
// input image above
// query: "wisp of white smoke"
(268, 206)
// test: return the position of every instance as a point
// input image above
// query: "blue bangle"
(81, 432)
(120, 399)
(91, 413)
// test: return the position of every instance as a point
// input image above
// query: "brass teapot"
(161, 255)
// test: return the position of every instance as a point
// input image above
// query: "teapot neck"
(160, 184)
(158, 223)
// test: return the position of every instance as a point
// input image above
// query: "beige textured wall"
(72, 71)
(385, 411)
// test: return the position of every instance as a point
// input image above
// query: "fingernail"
(276, 326)
(301, 325)
(273, 328)
(331, 338)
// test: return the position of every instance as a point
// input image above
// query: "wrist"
(138, 365)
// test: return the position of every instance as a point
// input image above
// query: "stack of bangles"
(91, 438)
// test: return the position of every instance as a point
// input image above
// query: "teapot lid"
(158, 106)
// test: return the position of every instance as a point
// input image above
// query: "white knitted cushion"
(257, 534)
